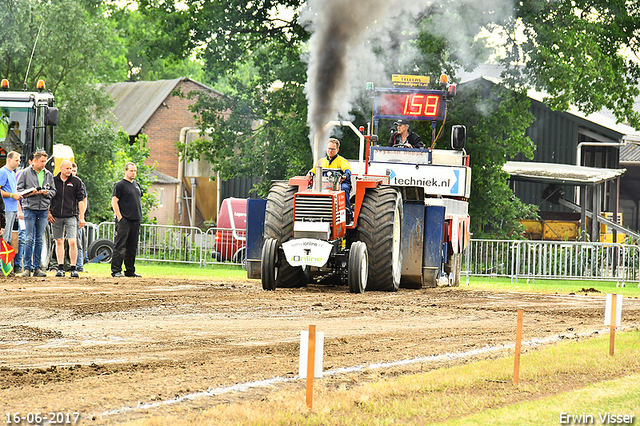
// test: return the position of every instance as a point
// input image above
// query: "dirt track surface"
(95, 345)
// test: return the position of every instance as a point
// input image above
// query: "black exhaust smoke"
(338, 27)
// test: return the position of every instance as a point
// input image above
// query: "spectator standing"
(22, 233)
(127, 205)
(36, 207)
(82, 250)
(10, 195)
(66, 214)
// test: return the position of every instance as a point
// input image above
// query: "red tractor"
(410, 219)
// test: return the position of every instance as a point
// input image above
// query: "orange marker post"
(612, 334)
(516, 364)
(310, 364)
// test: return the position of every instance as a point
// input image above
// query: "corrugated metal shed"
(630, 153)
(557, 136)
(603, 118)
(548, 173)
(137, 101)
(239, 187)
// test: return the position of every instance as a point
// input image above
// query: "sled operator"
(403, 137)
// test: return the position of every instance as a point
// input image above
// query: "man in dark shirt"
(69, 200)
(403, 137)
(127, 205)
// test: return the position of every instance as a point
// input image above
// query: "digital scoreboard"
(410, 104)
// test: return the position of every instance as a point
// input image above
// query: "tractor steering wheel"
(402, 145)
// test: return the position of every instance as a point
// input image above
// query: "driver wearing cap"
(403, 137)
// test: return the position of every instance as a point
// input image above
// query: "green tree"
(137, 34)
(95, 156)
(136, 152)
(582, 53)
(73, 59)
(496, 120)
(256, 60)
(226, 34)
(277, 147)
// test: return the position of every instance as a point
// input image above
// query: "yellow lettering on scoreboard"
(410, 80)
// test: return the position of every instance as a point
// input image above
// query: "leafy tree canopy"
(141, 62)
(583, 53)
(77, 48)
(496, 121)
(573, 50)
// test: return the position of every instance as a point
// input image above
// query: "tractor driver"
(403, 137)
(334, 161)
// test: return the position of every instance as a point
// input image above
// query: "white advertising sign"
(307, 252)
(410, 156)
(436, 180)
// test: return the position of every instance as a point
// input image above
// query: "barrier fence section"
(185, 244)
(514, 259)
(568, 260)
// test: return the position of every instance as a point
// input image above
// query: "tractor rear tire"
(358, 266)
(269, 264)
(278, 224)
(380, 228)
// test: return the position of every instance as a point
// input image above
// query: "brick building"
(155, 109)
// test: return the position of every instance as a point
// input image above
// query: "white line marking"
(243, 387)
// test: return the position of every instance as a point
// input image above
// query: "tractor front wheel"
(357, 273)
(269, 264)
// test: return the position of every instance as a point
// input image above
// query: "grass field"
(552, 286)
(567, 379)
(177, 270)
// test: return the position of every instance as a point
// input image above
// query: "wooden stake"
(612, 334)
(310, 364)
(516, 364)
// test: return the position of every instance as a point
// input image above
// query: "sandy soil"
(96, 345)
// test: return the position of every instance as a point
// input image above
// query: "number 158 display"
(413, 105)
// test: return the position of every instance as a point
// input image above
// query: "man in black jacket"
(68, 200)
(403, 137)
(39, 181)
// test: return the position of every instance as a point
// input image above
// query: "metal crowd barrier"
(567, 260)
(185, 244)
(515, 259)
